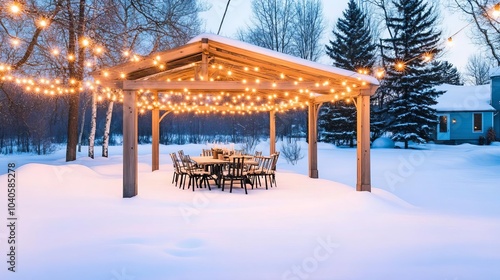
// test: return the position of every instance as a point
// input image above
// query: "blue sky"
(239, 13)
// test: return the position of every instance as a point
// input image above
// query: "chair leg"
(204, 179)
(244, 184)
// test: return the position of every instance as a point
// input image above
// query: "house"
(465, 113)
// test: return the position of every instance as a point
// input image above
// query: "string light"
(15, 8)
(15, 42)
(496, 10)
(43, 23)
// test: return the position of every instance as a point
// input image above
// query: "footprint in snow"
(186, 248)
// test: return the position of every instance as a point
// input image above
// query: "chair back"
(175, 162)
(236, 167)
(266, 164)
(275, 157)
(206, 152)
(188, 165)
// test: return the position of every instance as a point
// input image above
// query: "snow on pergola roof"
(213, 64)
(464, 98)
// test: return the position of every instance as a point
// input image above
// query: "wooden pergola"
(214, 74)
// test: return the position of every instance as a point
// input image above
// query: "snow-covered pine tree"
(410, 78)
(449, 73)
(352, 48)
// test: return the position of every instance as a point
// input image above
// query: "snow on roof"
(495, 72)
(464, 98)
(278, 55)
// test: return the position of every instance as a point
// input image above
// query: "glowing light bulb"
(450, 42)
(15, 42)
(43, 23)
(427, 57)
(380, 73)
(400, 66)
(85, 42)
(15, 8)
(496, 10)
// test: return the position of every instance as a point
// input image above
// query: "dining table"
(217, 164)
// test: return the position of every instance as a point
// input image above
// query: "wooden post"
(155, 134)
(272, 132)
(204, 60)
(129, 144)
(363, 143)
(313, 139)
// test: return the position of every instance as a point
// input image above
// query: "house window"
(478, 122)
(443, 124)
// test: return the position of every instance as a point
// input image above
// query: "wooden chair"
(195, 174)
(179, 171)
(263, 170)
(206, 152)
(235, 171)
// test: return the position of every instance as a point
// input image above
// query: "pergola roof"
(210, 64)
(216, 74)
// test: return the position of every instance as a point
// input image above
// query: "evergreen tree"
(352, 48)
(411, 79)
(449, 73)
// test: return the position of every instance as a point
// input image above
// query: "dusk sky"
(239, 13)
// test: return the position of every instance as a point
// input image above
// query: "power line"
(224, 16)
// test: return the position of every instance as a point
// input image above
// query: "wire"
(224, 16)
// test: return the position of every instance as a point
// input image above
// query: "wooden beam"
(363, 182)
(250, 62)
(155, 135)
(204, 60)
(221, 86)
(129, 144)
(290, 61)
(313, 139)
(272, 132)
(146, 62)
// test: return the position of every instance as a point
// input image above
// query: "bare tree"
(272, 25)
(309, 27)
(477, 70)
(485, 21)
(76, 28)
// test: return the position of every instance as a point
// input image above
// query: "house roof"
(464, 98)
(239, 72)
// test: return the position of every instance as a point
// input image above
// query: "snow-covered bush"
(383, 143)
(292, 151)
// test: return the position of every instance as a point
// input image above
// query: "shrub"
(292, 152)
(490, 136)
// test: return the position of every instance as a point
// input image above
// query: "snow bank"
(432, 214)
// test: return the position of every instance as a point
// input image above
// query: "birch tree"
(107, 126)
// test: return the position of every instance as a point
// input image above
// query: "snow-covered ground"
(434, 213)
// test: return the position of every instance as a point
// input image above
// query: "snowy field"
(434, 213)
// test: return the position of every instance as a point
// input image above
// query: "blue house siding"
(461, 126)
(495, 102)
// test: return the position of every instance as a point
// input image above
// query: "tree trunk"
(75, 68)
(105, 139)
(93, 119)
(82, 125)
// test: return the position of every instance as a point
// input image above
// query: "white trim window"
(477, 122)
